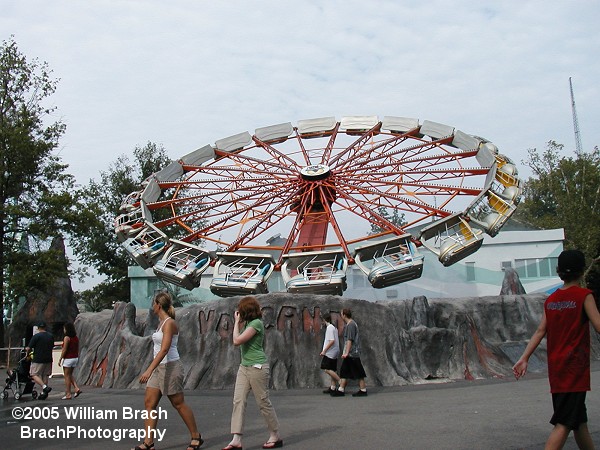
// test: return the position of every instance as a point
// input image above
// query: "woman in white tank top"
(164, 376)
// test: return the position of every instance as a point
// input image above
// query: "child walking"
(565, 323)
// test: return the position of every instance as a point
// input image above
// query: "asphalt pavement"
(480, 414)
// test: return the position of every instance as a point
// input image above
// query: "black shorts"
(352, 369)
(569, 409)
(328, 363)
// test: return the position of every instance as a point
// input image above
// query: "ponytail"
(171, 312)
(166, 303)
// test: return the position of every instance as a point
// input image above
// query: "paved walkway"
(483, 414)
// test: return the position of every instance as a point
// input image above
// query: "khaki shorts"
(42, 370)
(167, 378)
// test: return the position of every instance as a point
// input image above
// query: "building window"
(506, 265)
(470, 271)
(536, 268)
(548, 267)
(532, 268)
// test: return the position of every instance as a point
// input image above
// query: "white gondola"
(357, 125)
(399, 125)
(507, 189)
(506, 175)
(234, 143)
(389, 261)
(451, 239)
(318, 272)
(152, 191)
(510, 193)
(171, 172)
(241, 274)
(490, 211)
(147, 246)
(274, 134)
(182, 264)
(465, 141)
(129, 224)
(486, 154)
(436, 130)
(313, 128)
(131, 202)
(197, 157)
(506, 165)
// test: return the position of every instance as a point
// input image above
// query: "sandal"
(145, 446)
(66, 398)
(78, 393)
(273, 444)
(232, 447)
(197, 446)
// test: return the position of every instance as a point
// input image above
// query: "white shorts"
(70, 362)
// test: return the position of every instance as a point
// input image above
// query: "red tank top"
(568, 340)
(73, 349)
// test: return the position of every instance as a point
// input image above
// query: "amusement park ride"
(323, 185)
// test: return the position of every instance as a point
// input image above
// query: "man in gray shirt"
(352, 367)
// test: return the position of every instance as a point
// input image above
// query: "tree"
(564, 192)
(36, 200)
(396, 219)
(96, 244)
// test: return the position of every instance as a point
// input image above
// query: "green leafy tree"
(36, 194)
(564, 192)
(96, 244)
(396, 218)
(91, 301)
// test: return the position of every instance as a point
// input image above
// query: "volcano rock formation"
(403, 342)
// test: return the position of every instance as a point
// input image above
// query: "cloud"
(186, 73)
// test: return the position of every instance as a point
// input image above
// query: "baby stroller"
(19, 381)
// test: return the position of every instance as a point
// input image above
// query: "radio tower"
(578, 148)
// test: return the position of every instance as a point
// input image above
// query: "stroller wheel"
(34, 394)
(4, 394)
(17, 395)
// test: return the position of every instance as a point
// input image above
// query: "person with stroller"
(19, 381)
(69, 359)
(42, 344)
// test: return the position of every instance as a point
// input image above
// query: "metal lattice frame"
(320, 185)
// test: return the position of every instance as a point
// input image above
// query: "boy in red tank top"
(565, 324)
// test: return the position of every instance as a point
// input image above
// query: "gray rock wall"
(402, 341)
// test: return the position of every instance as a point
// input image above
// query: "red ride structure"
(358, 191)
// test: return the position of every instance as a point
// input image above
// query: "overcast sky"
(187, 73)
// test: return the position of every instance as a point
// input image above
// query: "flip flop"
(78, 393)
(270, 444)
(66, 398)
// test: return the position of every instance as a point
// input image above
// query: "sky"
(184, 74)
